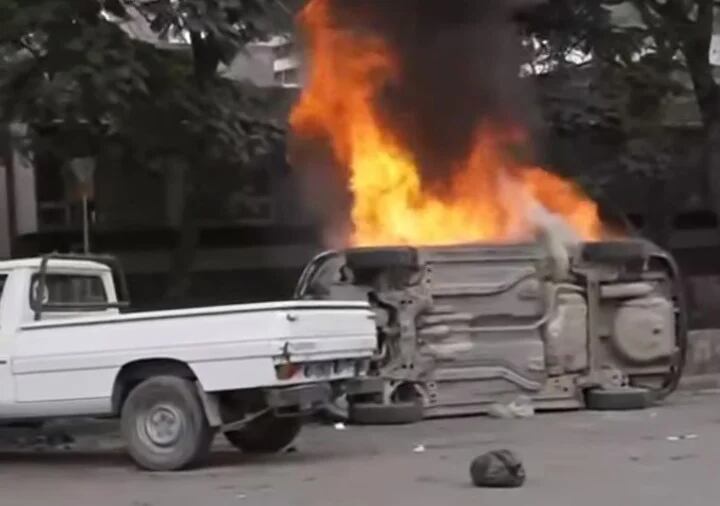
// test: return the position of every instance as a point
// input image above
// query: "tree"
(71, 63)
(641, 54)
(689, 25)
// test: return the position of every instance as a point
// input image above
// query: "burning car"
(490, 276)
(598, 325)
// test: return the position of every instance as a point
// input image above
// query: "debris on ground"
(682, 437)
(340, 426)
(419, 448)
(498, 469)
(40, 442)
(687, 456)
(521, 407)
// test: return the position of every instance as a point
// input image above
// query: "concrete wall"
(255, 64)
(25, 197)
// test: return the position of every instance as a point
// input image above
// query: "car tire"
(381, 258)
(164, 424)
(614, 251)
(397, 413)
(265, 434)
(619, 399)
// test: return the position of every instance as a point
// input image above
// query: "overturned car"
(597, 325)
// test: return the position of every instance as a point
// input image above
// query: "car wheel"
(265, 434)
(164, 424)
(619, 399)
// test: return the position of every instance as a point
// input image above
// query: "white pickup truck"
(174, 378)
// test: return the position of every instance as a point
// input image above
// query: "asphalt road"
(665, 456)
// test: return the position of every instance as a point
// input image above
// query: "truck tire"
(619, 399)
(397, 413)
(614, 251)
(381, 258)
(266, 434)
(164, 424)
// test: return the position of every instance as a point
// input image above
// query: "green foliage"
(73, 64)
(637, 59)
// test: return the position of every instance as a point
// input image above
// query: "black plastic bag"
(499, 469)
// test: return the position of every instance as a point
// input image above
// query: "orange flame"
(490, 197)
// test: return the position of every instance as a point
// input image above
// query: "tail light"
(286, 371)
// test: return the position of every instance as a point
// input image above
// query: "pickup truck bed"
(79, 359)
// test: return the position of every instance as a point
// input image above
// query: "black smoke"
(459, 67)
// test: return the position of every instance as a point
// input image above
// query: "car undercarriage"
(597, 325)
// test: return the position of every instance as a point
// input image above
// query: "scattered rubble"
(521, 407)
(38, 442)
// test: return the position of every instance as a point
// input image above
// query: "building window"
(288, 76)
(283, 51)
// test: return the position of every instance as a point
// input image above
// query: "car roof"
(53, 264)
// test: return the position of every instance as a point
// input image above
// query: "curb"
(703, 356)
(699, 383)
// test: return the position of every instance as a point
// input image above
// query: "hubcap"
(163, 424)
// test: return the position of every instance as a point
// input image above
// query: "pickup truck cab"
(174, 378)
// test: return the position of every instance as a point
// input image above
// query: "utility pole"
(84, 169)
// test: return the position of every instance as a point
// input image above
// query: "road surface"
(664, 456)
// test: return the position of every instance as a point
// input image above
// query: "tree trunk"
(658, 218)
(205, 62)
(707, 95)
(695, 38)
(188, 237)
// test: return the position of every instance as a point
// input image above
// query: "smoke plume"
(456, 68)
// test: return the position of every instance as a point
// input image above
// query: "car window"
(69, 289)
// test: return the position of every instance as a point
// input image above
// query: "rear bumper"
(301, 398)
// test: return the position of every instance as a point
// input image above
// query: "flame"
(490, 197)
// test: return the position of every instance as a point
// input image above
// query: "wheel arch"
(133, 373)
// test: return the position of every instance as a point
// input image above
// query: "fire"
(490, 197)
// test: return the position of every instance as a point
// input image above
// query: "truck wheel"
(164, 424)
(404, 412)
(266, 434)
(619, 399)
